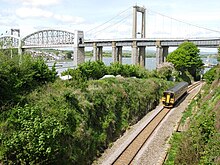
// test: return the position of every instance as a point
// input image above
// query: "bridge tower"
(79, 48)
(138, 52)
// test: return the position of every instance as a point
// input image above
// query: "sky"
(112, 19)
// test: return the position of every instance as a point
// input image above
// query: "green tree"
(69, 54)
(218, 55)
(18, 79)
(186, 58)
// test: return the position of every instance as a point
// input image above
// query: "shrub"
(18, 78)
(211, 74)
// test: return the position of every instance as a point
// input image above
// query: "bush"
(18, 78)
(211, 74)
(96, 70)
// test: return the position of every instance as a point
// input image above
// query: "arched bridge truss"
(9, 41)
(49, 38)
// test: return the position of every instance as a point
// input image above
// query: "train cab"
(172, 95)
(168, 99)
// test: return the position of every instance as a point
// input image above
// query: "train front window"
(171, 95)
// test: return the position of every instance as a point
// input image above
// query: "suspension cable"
(109, 19)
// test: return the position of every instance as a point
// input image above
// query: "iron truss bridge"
(40, 39)
(48, 38)
(9, 41)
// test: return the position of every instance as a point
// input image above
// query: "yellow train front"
(172, 95)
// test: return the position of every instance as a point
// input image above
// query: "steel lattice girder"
(9, 42)
(47, 38)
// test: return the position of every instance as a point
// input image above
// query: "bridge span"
(138, 46)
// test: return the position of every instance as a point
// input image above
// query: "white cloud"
(34, 12)
(40, 2)
(33, 2)
(26, 12)
(68, 18)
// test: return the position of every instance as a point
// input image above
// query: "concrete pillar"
(159, 53)
(134, 30)
(114, 51)
(95, 53)
(141, 56)
(165, 52)
(100, 53)
(119, 54)
(79, 51)
(79, 55)
(134, 55)
(143, 29)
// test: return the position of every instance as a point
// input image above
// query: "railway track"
(192, 86)
(130, 151)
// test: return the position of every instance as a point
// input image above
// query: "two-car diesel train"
(173, 94)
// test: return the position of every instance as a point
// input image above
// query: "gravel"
(155, 149)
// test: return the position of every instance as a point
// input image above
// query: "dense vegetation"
(18, 76)
(212, 74)
(186, 59)
(218, 55)
(45, 120)
(200, 144)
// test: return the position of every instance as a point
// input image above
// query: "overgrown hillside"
(49, 121)
(200, 144)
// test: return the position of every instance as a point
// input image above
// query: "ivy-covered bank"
(49, 121)
(200, 144)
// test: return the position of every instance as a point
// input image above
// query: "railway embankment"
(198, 142)
(74, 121)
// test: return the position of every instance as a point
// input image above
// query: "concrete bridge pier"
(116, 53)
(161, 53)
(97, 52)
(79, 51)
(138, 54)
(141, 55)
(134, 53)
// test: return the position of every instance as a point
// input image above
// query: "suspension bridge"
(159, 33)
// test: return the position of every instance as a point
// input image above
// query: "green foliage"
(186, 57)
(166, 71)
(127, 70)
(67, 124)
(70, 122)
(96, 70)
(218, 55)
(175, 141)
(212, 74)
(69, 54)
(92, 70)
(18, 78)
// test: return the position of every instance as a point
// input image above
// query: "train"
(172, 95)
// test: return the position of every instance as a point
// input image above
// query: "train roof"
(177, 87)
